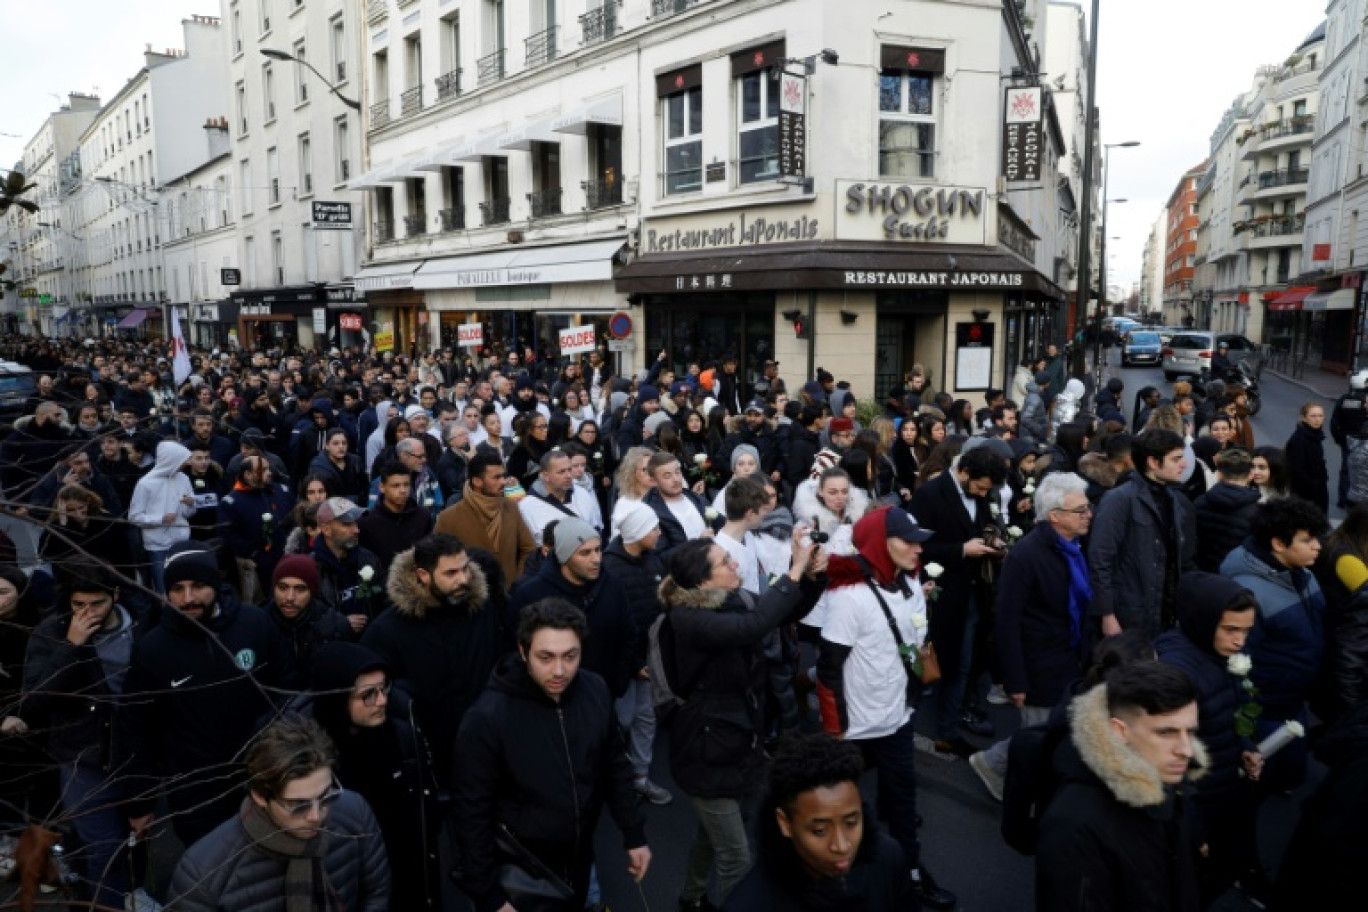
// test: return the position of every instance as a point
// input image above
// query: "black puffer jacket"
(542, 768)
(639, 580)
(304, 634)
(1347, 645)
(717, 737)
(1306, 470)
(1202, 598)
(226, 872)
(1224, 513)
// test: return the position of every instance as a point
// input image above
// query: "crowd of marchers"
(355, 630)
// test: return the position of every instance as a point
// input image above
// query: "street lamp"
(1102, 256)
(281, 55)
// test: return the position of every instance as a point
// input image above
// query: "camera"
(816, 536)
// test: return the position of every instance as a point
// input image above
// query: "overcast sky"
(1167, 70)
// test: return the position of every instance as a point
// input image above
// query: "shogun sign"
(576, 339)
(470, 335)
(872, 211)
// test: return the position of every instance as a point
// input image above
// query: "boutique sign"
(921, 213)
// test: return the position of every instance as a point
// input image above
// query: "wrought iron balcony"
(1289, 127)
(379, 114)
(602, 194)
(495, 211)
(411, 101)
(1283, 177)
(1279, 227)
(415, 225)
(545, 202)
(452, 219)
(541, 47)
(600, 24)
(449, 85)
(384, 231)
(660, 9)
(490, 68)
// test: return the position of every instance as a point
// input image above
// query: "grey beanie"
(570, 533)
(616, 401)
(655, 421)
(744, 448)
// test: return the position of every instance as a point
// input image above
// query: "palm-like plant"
(12, 189)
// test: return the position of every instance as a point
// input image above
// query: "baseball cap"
(339, 509)
(815, 391)
(755, 405)
(898, 523)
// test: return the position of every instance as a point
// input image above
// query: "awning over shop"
(134, 319)
(378, 178)
(844, 265)
(523, 137)
(1341, 299)
(382, 276)
(590, 261)
(606, 111)
(1289, 300)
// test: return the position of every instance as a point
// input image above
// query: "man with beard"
(524, 400)
(348, 574)
(204, 430)
(758, 433)
(485, 519)
(302, 621)
(36, 443)
(197, 685)
(252, 524)
(439, 636)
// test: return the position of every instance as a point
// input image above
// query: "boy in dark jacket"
(396, 522)
(302, 621)
(1226, 510)
(817, 843)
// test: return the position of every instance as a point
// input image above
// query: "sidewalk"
(1322, 383)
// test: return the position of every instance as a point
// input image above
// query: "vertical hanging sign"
(792, 125)
(1021, 135)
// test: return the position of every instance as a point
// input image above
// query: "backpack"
(1030, 783)
(660, 662)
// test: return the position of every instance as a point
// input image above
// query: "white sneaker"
(140, 901)
(997, 697)
(989, 776)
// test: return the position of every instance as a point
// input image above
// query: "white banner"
(470, 335)
(576, 340)
(180, 355)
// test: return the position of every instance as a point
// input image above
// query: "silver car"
(1190, 352)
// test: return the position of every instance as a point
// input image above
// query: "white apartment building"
(149, 132)
(1152, 269)
(544, 167)
(1066, 68)
(39, 246)
(295, 143)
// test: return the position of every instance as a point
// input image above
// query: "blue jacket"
(242, 529)
(1288, 639)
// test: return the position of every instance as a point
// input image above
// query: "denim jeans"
(721, 837)
(91, 801)
(636, 714)
(156, 568)
(950, 689)
(894, 758)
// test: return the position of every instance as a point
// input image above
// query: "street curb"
(1306, 386)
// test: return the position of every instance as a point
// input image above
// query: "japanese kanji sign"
(1022, 140)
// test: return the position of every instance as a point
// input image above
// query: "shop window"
(757, 103)
(683, 113)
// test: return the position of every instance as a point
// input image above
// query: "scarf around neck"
(1080, 589)
(488, 509)
(306, 882)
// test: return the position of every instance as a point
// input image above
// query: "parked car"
(1189, 352)
(17, 387)
(1141, 346)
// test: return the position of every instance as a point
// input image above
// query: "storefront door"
(703, 330)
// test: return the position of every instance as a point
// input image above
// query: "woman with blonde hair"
(632, 482)
(1167, 418)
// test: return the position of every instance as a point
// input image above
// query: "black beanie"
(192, 560)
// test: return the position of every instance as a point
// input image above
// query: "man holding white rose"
(865, 685)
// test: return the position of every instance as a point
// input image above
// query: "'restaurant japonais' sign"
(1022, 134)
(927, 213)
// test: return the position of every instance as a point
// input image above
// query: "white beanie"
(638, 523)
(413, 411)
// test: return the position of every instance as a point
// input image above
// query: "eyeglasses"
(371, 694)
(302, 807)
(1076, 511)
(727, 561)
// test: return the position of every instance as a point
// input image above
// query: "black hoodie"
(1224, 514)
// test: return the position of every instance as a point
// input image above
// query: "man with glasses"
(299, 840)
(1042, 610)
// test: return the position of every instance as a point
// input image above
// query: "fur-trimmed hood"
(412, 599)
(672, 596)
(1133, 781)
(807, 507)
(1095, 468)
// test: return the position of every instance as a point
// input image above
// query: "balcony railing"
(601, 194)
(600, 24)
(490, 68)
(384, 231)
(379, 114)
(1289, 127)
(545, 202)
(376, 10)
(411, 101)
(1279, 227)
(662, 8)
(1283, 177)
(541, 47)
(452, 219)
(415, 225)
(449, 85)
(495, 211)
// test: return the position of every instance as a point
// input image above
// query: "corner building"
(553, 166)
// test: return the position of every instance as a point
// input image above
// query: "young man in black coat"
(305, 623)
(817, 843)
(1224, 513)
(1115, 834)
(544, 722)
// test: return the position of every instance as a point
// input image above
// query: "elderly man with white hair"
(1042, 612)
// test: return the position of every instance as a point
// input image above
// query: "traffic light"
(800, 328)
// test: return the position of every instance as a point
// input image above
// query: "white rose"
(1294, 728)
(555, 402)
(1029, 489)
(1014, 532)
(934, 570)
(367, 573)
(428, 501)
(1239, 664)
(152, 410)
(710, 514)
(994, 509)
(516, 441)
(598, 457)
(919, 622)
(700, 458)
(199, 483)
(266, 517)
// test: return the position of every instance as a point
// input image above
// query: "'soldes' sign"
(576, 339)
(470, 335)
